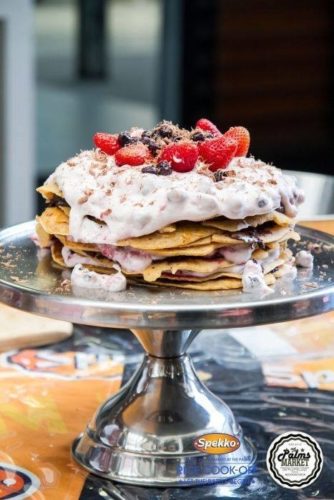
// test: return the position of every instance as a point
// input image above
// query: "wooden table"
(322, 225)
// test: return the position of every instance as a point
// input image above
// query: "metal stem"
(145, 434)
(165, 343)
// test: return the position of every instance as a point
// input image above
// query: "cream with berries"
(145, 199)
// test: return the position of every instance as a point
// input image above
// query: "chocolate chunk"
(281, 209)
(151, 144)
(220, 175)
(150, 169)
(198, 136)
(125, 138)
(164, 168)
(262, 203)
(145, 133)
(154, 148)
(57, 201)
(165, 131)
(145, 139)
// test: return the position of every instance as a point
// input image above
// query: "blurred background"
(73, 67)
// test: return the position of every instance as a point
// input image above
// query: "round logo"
(16, 483)
(294, 460)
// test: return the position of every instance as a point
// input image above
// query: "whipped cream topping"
(304, 259)
(109, 203)
(81, 277)
(253, 278)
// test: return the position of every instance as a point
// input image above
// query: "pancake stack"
(193, 229)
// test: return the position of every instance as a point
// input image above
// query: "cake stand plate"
(164, 427)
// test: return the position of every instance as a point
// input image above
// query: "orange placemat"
(46, 397)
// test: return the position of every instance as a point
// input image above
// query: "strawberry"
(135, 154)
(241, 135)
(218, 152)
(207, 126)
(181, 155)
(108, 143)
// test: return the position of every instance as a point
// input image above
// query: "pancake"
(159, 225)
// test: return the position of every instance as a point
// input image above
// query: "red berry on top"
(135, 154)
(108, 143)
(181, 155)
(218, 152)
(241, 135)
(207, 126)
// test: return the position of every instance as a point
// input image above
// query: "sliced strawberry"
(218, 152)
(242, 136)
(207, 126)
(135, 154)
(181, 155)
(108, 143)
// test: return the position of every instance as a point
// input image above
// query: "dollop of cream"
(253, 278)
(304, 259)
(81, 277)
(109, 203)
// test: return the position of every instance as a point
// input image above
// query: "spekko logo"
(217, 443)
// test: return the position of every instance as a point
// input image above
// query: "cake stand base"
(145, 434)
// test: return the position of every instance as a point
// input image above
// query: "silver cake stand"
(146, 434)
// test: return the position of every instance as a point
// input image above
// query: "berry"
(207, 126)
(108, 143)
(125, 138)
(182, 155)
(241, 135)
(162, 168)
(218, 152)
(135, 154)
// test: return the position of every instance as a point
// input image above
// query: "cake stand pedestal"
(145, 434)
(153, 430)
